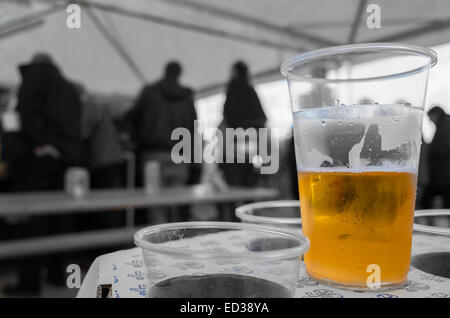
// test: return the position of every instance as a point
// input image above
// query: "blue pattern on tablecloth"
(130, 275)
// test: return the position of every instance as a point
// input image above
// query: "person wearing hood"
(439, 157)
(242, 106)
(242, 109)
(49, 141)
(160, 108)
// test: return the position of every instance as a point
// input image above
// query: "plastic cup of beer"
(220, 260)
(357, 117)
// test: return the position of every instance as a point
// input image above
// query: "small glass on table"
(220, 260)
(431, 242)
(283, 214)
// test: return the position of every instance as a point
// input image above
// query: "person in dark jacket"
(242, 109)
(242, 106)
(50, 112)
(50, 137)
(160, 108)
(439, 157)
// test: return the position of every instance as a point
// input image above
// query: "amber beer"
(357, 218)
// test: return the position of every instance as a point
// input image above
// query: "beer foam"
(339, 134)
(362, 169)
(358, 111)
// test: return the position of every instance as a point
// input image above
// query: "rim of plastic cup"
(290, 64)
(242, 212)
(429, 229)
(303, 242)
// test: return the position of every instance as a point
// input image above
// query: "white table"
(125, 272)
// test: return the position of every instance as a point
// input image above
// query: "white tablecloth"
(123, 273)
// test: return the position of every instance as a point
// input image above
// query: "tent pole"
(436, 25)
(21, 23)
(234, 16)
(356, 21)
(188, 26)
(123, 53)
(21, 28)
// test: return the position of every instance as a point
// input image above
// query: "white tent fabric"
(122, 43)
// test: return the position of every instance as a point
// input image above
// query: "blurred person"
(49, 108)
(242, 109)
(5, 126)
(439, 158)
(103, 157)
(105, 162)
(242, 106)
(292, 166)
(160, 108)
(5, 179)
(5, 96)
(423, 199)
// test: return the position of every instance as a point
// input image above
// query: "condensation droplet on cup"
(324, 123)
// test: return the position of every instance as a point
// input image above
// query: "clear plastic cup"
(357, 115)
(284, 214)
(431, 242)
(220, 259)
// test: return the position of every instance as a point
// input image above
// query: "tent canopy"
(122, 44)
